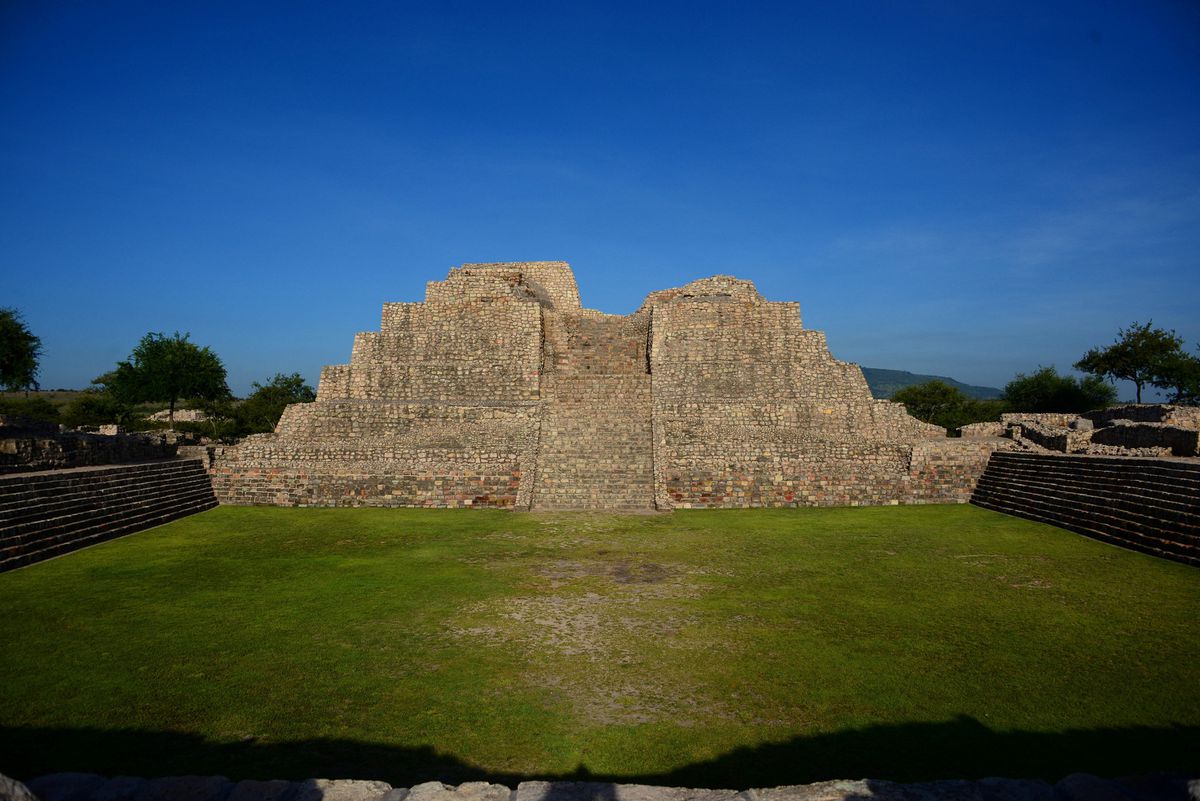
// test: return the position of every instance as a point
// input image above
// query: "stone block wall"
(27, 445)
(1173, 439)
(499, 390)
(1179, 416)
(475, 338)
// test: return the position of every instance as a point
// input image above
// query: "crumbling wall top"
(714, 288)
(552, 282)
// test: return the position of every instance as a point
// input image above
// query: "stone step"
(1096, 516)
(73, 509)
(16, 495)
(1129, 478)
(90, 472)
(83, 517)
(1150, 488)
(1185, 519)
(1180, 471)
(104, 533)
(1143, 504)
(1132, 476)
(85, 499)
(1113, 535)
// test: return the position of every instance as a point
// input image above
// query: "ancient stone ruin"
(500, 390)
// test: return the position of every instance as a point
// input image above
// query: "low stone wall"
(1181, 416)
(1043, 418)
(1076, 787)
(827, 473)
(371, 485)
(1179, 441)
(26, 445)
(981, 430)
(1051, 437)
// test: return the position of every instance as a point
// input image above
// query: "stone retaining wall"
(27, 445)
(1076, 787)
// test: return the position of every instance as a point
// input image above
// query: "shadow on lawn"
(961, 748)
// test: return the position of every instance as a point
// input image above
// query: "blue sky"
(968, 189)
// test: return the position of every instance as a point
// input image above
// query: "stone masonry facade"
(500, 390)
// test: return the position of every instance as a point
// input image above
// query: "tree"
(260, 412)
(941, 404)
(1178, 373)
(20, 352)
(163, 369)
(1133, 356)
(1047, 391)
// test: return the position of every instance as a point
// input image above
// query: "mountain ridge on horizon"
(884, 383)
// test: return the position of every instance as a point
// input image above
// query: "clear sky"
(963, 188)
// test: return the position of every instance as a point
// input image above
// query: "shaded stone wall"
(499, 390)
(27, 445)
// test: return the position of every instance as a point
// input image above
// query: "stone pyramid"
(500, 390)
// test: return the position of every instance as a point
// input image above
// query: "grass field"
(746, 648)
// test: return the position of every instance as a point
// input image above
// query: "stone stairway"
(595, 448)
(1148, 505)
(50, 513)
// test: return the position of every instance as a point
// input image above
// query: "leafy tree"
(260, 412)
(20, 352)
(1047, 391)
(1134, 356)
(163, 369)
(1178, 373)
(941, 404)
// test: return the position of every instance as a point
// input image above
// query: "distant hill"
(884, 383)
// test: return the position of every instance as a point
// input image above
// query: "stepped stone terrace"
(501, 390)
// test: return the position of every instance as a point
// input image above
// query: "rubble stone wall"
(1180, 441)
(1180, 416)
(27, 445)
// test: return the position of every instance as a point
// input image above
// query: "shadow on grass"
(961, 748)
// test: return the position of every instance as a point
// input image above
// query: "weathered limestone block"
(13, 790)
(340, 790)
(604, 791)
(469, 791)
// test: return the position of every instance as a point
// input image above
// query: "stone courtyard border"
(1076, 787)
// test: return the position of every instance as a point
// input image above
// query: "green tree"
(260, 412)
(20, 352)
(1134, 356)
(163, 369)
(1179, 374)
(1047, 391)
(941, 404)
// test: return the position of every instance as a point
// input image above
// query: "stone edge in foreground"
(1076, 787)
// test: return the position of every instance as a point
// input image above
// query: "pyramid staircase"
(50, 513)
(595, 449)
(1148, 505)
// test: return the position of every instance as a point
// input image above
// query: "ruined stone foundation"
(500, 390)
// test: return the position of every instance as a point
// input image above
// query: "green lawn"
(741, 648)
